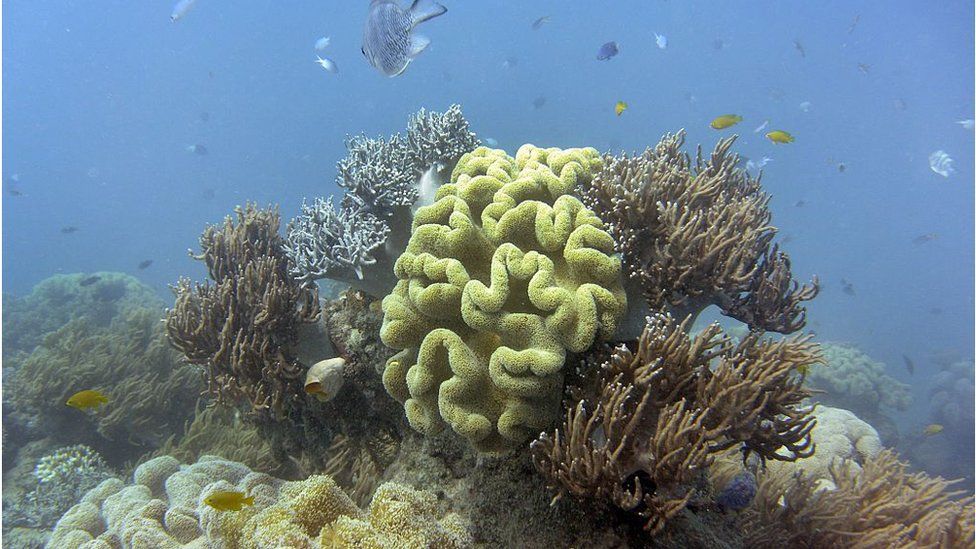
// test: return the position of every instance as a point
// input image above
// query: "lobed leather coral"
(503, 275)
(658, 415)
(242, 327)
(697, 233)
(163, 508)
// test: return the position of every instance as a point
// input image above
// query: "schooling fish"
(779, 136)
(620, 107)
(228, 501)
(725, 121)
(180, 9)
(87, 399)
(389, 43)
(607, 51)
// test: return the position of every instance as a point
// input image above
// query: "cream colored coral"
(838, 435)
(297, 514)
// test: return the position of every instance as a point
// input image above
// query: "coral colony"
(515, 329)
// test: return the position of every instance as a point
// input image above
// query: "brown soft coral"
(694, 234)
(242, 327)
(662, 411)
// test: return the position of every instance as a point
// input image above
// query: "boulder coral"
(503, 275)
(852, 380)
(163, 508)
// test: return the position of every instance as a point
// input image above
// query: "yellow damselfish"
(620, 107)
(228, 501)
(726, 121)
(779, 136)
(84, 400)
(934, 429)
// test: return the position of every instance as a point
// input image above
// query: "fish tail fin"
(418, 43)
(419, 13)
(248, 500)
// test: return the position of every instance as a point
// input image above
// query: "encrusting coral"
(385, 179)
(242, 326)
(503, 275)
(697, 233)
(164, 508)
(879, 504)
(659, 414)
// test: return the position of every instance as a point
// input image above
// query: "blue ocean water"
(102, 99)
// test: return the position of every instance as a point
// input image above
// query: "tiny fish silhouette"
(87, 399)
(933, 429)
(864, 68)
(143, 265)
(538, 102)
(88, 281)
(538, 23)
(922, 239)
(848, 288)
(909, 365)
(854, 23)
(799, 47)
(69, 230)
(607, 51)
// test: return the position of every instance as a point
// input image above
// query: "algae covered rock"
(503, 275)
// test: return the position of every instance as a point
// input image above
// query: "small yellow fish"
(83, 400)
(228, 501)
(933, 429)
(726, 121)
(779, 136)
(620, 107)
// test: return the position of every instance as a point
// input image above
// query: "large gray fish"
(389, 42)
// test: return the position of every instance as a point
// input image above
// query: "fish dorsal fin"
(419, 13)
(418, 43)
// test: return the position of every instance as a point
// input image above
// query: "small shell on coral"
(324, 378)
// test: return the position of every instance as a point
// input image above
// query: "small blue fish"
(323, 43)
(607, 51)
(661, 40)
(327, 64)
(389, 43)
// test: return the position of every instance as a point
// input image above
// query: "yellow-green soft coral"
(503, 275)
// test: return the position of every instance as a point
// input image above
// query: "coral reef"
(853, 381)
(163, 507)
(219, 431)
(242, 327)
(697, 234)
(503, 275)
(60, 479)
(879, 504)
(383, 178)
(150, 393)
(650, 426)
(100, 297)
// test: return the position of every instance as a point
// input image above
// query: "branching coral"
(242, 327)
(661, 412)
(880, 504)
(163, 507)
(358, 241)
(61, 478)
(150, 394)
(697, 233)
(503, 275)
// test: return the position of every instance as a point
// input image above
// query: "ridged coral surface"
(503, 275)
(164, 508)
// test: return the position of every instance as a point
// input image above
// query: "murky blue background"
(101, 98)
